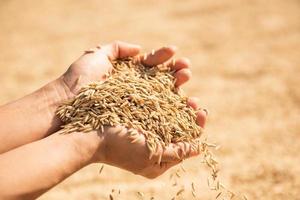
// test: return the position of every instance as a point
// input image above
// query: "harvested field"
(245, 56)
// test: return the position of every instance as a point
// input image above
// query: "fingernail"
(206, 111)
(187, 60)
(152, 52)
(173, 47)
(144, 56)
(137, 46)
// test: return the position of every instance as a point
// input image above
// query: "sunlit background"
(246, 69)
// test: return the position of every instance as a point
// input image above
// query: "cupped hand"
(119, 148)
(95, 63)
(116, 147)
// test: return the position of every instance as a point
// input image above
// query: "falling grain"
(193, 186)
(179, 192)
(245, 197)
(182, 168)
(141, 194)
(194, 193)
(218, 195)
(101, 169)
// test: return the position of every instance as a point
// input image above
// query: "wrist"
(52, 95)
(56, 92)
(89, 146)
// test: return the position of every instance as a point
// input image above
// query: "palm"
(88, 68)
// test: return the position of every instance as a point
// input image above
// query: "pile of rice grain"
(138, 97)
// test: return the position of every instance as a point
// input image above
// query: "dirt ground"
(246, 66)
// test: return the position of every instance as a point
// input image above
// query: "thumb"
(119, 49)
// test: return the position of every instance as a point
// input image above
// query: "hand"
(118, 149)
(94, 64)
(114, 146)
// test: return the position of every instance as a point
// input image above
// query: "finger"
(170, 154)
(179, 151)
(156, 154)
(181, 63)
(182, 76)
(188, 149)
(192, 102)
(159, 169)
(120, 49)
(164, 166)
(170, 159)
(201, 117)
(159, 56)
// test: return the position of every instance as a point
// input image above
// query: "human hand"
(94, 64)
(118, 148)
(115, 146)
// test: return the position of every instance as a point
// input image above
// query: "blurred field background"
(246, 66)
